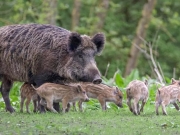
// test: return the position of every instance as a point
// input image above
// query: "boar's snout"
(97, 81)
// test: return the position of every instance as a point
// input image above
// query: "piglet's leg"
(41, 108)
(135, 106)
(80, 105)
(74, 106)
(157, 107)
(22, 103)
(50, 105)
(176, 106)
(129, 104)
(64, 105)
(35, 105)
(27, 104)
(164, 108)
(102, 102)
(142, 106)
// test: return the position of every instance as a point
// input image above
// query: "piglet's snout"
(87, 99)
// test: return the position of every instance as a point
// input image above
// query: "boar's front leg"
(56, 107)
(5, 89)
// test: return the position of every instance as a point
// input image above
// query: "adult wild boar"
(32, 50)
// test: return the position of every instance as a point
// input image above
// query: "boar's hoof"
(97, 81)
(10, 109)
(120, 105)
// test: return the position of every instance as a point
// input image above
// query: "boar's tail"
(33, 86)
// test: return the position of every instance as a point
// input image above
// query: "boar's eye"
(80, 56)
(120, 97)
(179, 83)
(84, 92)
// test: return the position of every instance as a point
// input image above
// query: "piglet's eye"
(120, 97)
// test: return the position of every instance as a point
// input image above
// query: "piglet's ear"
(99, 41)
(74, 41)
(79, 89)
(116, 91)
(173, 81)
(146, 82)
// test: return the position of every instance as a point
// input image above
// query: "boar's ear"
(74, 41)
(99, 41)
(173, 81)
(79, 89)
(146, 82)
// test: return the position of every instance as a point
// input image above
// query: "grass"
(91, 122)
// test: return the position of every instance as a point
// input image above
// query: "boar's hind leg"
(56, 107)
(5, 89)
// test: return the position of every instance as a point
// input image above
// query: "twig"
(106, 70)
(154, 65)
(161, 72)
(174, 72)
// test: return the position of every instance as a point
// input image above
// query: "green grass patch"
(91, 122)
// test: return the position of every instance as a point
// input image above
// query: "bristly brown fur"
(30, 51)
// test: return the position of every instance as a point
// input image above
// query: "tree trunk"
(49, 12)
(76, 14)
(101, 14)
(140, 34)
